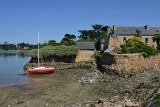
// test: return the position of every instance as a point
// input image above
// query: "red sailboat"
(40, 69)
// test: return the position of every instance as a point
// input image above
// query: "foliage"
(157, 97)
(69, 43)
(93, 56)
(136, 45)
(144, 54)
(93, 34)
(156, 39)
(125, 49)
(52, 42)
(19, 46)
(138, 35)
(98, 41)
(84, 40)
(57, 51)
(68, 40)
(70, 37)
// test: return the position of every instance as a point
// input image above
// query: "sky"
(21, 20)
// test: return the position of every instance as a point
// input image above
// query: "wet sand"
(63, 89)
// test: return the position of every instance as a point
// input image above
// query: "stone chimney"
(114, 27)
(147, 27)
(108, 30)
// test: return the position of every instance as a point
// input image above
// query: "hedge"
(56, 51)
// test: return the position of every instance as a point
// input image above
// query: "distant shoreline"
(14, 50)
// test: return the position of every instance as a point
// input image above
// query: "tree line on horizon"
(19, 46)
(93, 35)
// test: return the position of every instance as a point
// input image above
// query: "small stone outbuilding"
(86, 50)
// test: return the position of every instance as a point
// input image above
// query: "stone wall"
(84, 55)
(126, 65)
(61, 66)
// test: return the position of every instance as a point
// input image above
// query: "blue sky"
(20, 20)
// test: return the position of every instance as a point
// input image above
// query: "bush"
(57, 51)
(157, 97)
(125, 49)
(136, 45)
(144, 54)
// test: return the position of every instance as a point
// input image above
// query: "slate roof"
(85, 45)
(134, 30)
(109, 49)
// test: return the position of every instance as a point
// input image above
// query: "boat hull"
(40, 71)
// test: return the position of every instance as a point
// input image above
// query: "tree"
(156, 39)
(52, 42)
(68, 40)
(68, 37)
(93, 34)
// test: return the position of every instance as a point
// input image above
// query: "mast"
(38, 50)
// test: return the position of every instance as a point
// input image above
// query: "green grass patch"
(93, 56)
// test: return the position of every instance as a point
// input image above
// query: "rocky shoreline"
(135, 90)
(88, 87)
(139, 90)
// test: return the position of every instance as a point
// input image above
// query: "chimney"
(114, 27)
(108, 30)
(147, 27)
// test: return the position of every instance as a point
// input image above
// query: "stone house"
(118, 35)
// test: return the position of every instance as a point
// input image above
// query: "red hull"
(46, 70)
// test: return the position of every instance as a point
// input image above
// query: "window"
(146, 40)
(124, 40)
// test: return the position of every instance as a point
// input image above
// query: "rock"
(129, 103)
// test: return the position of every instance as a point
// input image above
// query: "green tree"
(156, 39)
(68, 40)
(52, 42)
(93, 34)
(68, 37)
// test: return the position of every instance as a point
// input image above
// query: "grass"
(93, 56)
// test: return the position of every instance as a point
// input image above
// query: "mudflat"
(62, 88)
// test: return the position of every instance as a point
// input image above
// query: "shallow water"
(11, 65)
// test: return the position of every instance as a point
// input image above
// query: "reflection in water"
(38, 76)
(11, 65)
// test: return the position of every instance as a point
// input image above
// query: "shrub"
(125, 49)
(157, 97)
(57, 51)
(144, 54)
(136, 45)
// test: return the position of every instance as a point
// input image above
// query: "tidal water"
(11, 65)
